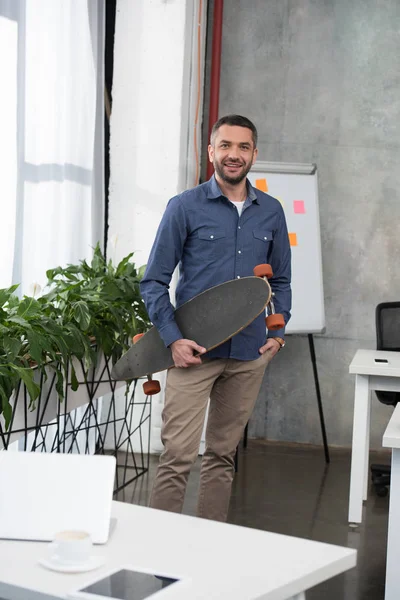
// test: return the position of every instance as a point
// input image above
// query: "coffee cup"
(71, 547)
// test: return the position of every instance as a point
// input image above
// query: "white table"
(370, 375)
(391, 439)
(273, 567)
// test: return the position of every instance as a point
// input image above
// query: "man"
(218, 231)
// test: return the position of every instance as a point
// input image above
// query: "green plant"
(31, 340)
(102, 299)
(88, 308)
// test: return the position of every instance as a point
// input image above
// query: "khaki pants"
(232, 386)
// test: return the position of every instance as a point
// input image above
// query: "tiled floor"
(288, 489)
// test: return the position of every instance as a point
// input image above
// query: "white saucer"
(94, 562)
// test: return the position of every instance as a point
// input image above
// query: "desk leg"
(360, 447)
(366, 457)
(393, 546)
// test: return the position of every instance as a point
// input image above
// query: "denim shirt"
(202, 232)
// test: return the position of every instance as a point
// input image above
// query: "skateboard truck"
(273, 321)
(151, 386)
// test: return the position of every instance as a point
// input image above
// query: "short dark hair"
(234, 120)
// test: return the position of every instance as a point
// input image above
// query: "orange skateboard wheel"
(151, 387)
(274, 322)
(137, 337)
(263, 271)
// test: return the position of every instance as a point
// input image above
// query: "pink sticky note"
(299, 207)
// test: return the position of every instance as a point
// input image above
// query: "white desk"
(369, 376)
(391, 439)
(273, 567)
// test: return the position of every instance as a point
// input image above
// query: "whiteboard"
(296, 187)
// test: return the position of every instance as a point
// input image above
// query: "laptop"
(43, 493)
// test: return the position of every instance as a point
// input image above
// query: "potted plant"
(89, 308)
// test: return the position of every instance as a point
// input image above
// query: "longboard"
(209, 319)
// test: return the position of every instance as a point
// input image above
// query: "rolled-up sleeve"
(281, 266)
(164, 257)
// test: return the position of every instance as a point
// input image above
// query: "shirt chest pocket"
(212, 242)
(262, 244)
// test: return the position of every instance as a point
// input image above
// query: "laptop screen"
(66, 492)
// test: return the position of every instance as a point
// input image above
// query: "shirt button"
(239, 227)
(237, 276)
(265, 238)
(239, 252)
(212, 237)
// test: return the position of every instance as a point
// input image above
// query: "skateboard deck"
(209, 319)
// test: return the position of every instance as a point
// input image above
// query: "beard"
(219, 169)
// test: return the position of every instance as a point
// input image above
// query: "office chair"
(387, 321)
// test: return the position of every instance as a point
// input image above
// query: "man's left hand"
(272, 346)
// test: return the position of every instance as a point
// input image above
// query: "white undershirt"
(239, 206)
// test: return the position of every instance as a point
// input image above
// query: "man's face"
(232, 153)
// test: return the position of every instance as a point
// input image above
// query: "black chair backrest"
(387, 320)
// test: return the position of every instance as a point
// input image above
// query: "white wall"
(153, 102)
(156, 97)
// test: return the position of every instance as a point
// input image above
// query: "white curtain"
(51, 144)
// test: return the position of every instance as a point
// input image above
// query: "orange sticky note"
(299, 207)
(293, 239)
(262, 185)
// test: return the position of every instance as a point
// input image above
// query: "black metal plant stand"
(93, 420)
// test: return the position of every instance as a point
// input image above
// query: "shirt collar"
(214, 191)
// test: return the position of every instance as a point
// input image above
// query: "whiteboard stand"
(319, 399)
(295, 186)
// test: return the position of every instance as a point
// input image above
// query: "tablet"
(129, 583)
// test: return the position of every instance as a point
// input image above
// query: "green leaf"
(85, 269)
(74, 269)
(110, 268)
(142, 269)
(13, 301)
(51, 326)
(50, 297)
(20, 321)
(122, 265)
(6, 408)
(61, 347)
(7, 413)
(27, 377)
(12, 346)
(36, 347)
(98, 262)
(6, 293)
(28, 307)
(74, 340)
(106, 342)
(81, 314)
(60, 384)
(112, 290)
(74, 380)
(52, 273)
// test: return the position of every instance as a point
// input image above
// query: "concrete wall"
(320, 78)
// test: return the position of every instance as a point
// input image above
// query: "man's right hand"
(183, 353)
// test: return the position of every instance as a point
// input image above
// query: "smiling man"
(217, 231)
(233, 152)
